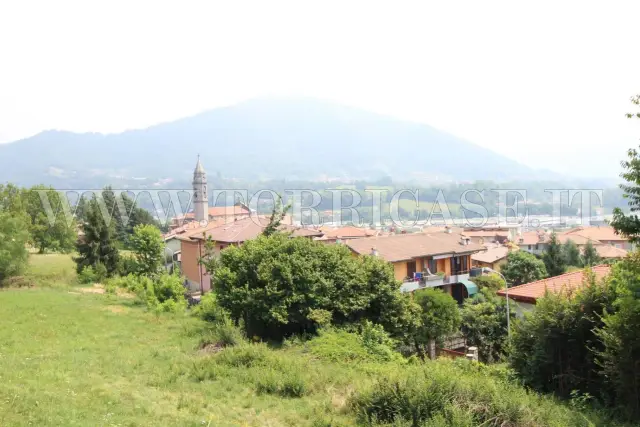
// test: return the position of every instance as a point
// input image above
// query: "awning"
(472, 288)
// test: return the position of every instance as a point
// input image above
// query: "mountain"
(303, 139)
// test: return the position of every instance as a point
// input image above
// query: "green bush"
(223, 334)
(165, 293)
(87, 275)
(445, 393)
(286, 384)
(101, 272)
(338, 345)
(210, 310)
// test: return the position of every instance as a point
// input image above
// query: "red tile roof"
(347, 232)
(401, 247)
(530, 292)
(610, 252)
(603, 232)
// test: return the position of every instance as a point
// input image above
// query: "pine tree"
(98, 245)
(590, 255)
(571, 254)
(553, 257)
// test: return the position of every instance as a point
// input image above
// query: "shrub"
(210, 310)
(286, 384)
(223, 334)
(163, 294)
(87, 275)
(444, 393)
(372, 345)
(100, 272)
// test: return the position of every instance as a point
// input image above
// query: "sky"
(546, 83)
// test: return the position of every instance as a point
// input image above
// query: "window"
(433, 266)
(529, 247)
(411, 268)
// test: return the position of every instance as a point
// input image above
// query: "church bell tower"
(200, 199)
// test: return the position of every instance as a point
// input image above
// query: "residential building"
(608, 252)
(526, 296)
(604, 234)
(421, 260)
(534, 242)
(494, 256)
(341, 234)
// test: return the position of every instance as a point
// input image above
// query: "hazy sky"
(546, 82)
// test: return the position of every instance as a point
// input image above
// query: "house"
(604, 234)
(608, 252)
(421, 260)
(340, 234)
(482, 237)
(534, 242)
(192, 244)
(494, 256)
(526, 295)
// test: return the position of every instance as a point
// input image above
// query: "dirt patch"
(116, 309)
(95, 289)
(210, 348)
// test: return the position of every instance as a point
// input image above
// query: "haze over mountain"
(302, 139)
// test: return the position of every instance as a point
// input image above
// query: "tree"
(97, 245)
(571, 254)
(148, 247)
(13, 249)
(553, 347)
(620, 351)
(523, 267)
(439, 318)
(590, 256)
(277, 284)
(553, 257)
(484, 324)
(492, 282)
(277, 215)
(59, 234)
(125, 214)
(629, 225)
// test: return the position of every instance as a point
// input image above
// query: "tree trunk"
(432, 349)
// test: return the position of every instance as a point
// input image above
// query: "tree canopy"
(523, 267)
(277, 285)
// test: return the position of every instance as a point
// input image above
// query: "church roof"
(199, 168)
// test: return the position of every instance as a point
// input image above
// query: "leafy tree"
(523, 267)
(57, 236)
(439, 318)
(276, 285)
(571, 254)
(98, 244)
(590, 256)
(553, 257)
(148, 247)
(553, 347)
(620, 351)
(484, 324)
(13, 241)
(492, 282)
(629, 225)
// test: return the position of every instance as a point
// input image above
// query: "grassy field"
(70, 358)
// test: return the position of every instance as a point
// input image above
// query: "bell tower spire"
(200, 198)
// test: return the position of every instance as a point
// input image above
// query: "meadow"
(74, 358)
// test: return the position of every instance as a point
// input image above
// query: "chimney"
(447, 229)
(374, 251)
(464, 241)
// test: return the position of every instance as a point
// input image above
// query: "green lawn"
(71, 359)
